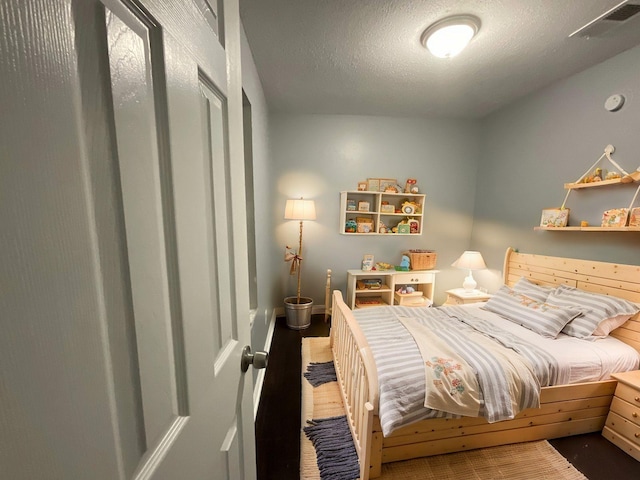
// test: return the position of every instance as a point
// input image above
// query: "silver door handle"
(258, 360)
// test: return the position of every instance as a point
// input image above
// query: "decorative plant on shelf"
(298, 209)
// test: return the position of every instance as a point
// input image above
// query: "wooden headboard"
(599, 277)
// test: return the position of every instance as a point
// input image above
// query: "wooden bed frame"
(565, 410)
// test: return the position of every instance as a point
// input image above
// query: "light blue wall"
(486, 181)
(317, 156)
(532, 147)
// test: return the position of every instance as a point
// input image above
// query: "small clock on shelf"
(409, 208)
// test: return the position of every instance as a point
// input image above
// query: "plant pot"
(298, 314)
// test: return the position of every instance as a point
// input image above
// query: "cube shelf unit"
(374, 212)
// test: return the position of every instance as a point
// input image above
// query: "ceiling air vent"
(623, 13)
(608, 20)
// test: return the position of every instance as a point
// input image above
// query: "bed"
(564, 409)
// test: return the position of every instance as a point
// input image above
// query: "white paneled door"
(123, 254)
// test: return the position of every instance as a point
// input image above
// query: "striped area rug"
(523, 461)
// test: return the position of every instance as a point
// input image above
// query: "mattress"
(400, 366)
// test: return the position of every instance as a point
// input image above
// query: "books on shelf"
(369, 284)
(369, 302)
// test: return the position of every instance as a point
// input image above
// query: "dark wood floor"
(278, 420)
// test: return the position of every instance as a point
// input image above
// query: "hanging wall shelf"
(623, 179)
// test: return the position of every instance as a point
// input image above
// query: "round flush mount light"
(448, 37)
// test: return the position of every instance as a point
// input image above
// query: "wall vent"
(609, 20)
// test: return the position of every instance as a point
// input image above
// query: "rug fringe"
(319, 373)
(336, 455)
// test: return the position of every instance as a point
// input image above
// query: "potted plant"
(298, 309)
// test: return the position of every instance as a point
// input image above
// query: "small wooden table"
(623, 423)
(459, 296)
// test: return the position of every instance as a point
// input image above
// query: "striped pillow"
(540, 317)
(532, 290)
(597, 308)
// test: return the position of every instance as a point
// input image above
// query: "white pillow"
(597, 309)
(532, 290)
(608, 325)
(544, 319)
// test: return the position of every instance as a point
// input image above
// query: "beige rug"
(523, 461)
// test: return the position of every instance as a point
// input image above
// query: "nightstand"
(623, 422)
(459, 296)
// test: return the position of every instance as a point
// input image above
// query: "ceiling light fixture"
(449, 36)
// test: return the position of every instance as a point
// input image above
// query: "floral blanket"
(451, 382)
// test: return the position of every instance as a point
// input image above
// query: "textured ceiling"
(365, 57)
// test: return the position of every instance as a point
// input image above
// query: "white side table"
(459, 296)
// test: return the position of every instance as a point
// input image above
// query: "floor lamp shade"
(470, 260)
(299, 209)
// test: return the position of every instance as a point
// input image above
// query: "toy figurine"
(350, 227)
(409, 185)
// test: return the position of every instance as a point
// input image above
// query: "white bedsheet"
(582, 360)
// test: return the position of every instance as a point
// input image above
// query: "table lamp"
(470, 260)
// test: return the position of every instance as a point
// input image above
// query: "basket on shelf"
(421, 259)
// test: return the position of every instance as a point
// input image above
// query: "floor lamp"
(298, 209)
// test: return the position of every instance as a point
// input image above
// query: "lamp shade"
(470, 260)
(299, 209)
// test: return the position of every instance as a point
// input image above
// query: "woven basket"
(422, 259)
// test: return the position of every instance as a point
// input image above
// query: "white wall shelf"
(380, 219)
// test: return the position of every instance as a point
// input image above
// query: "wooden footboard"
(357, 376)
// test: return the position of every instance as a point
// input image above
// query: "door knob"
(258, 359)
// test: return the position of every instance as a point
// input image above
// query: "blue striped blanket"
(479, 344)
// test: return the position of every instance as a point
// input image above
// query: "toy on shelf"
(411, 182)
(410, 208)
(383, 266)
(404, 289)
(597, 176)
(404, 264)
(393, 189)
(350, 226)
